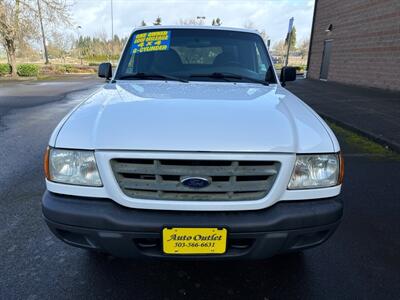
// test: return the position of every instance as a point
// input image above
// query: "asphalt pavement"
(372, 112)
(360, 261)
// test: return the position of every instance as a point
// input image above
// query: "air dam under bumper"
(101, 224)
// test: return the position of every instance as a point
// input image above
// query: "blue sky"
(269, 15)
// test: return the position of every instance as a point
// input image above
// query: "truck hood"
(195, 116)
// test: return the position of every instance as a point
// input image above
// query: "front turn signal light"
(46, 163)
(341, 168)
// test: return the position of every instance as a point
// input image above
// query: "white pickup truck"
(193, 150)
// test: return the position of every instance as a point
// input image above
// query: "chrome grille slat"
(160, 179)
(193, 196)
(142, 184)
(194, 170)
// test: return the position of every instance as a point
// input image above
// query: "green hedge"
(300, 68)
(59, 69)
(69, 68)
(101, 57)
(5, 69)
(65, 69)
(27, 70)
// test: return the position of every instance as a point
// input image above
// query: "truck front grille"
(228, 180)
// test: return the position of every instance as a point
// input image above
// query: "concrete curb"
(378, 139)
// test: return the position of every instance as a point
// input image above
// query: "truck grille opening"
(160, 179)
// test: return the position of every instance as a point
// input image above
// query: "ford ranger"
(193, 149)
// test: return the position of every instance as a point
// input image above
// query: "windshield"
(196, 54)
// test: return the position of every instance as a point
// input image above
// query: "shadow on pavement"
(203, 280)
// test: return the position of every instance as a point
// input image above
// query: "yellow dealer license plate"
(194, 240)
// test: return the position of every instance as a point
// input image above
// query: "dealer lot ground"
(360, 261)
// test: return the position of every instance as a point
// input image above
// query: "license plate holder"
(200, 241)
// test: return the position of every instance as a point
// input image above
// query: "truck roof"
(196, 27)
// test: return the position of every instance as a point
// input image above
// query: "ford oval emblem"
(195, 182)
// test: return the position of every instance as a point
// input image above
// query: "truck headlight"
(72, 167)
(316, 171)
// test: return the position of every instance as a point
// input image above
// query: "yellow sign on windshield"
(151, 41)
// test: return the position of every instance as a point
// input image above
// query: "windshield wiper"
(227, 76)
(142, 75)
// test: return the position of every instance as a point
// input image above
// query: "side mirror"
(287, 74)
(105, 70)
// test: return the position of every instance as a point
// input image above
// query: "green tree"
(99, 47)
(157, 21)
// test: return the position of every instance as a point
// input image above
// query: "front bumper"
(101, 224)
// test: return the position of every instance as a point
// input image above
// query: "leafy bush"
(81, 69)
(69, 68)
(27, 70)
(278, 66)
(5, 69)
(300, 68)
(66, 69)
(101, 57)
(60, 69)
(52, 69)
